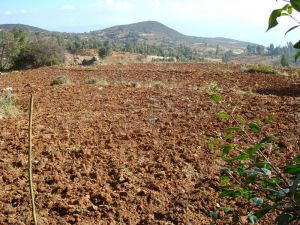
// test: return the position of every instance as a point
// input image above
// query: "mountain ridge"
(152, 32)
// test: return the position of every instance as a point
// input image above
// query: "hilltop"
(27, 28)
(157, 33)
(150, 32)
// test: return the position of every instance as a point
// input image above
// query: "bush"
(61, 80)
(260, 69)
(43, 52)
(8, 106)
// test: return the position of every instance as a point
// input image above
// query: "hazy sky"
(239, 19)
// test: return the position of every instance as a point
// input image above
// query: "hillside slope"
(150, 32)
(157, 33)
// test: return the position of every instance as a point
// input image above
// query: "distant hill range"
(151, 32)
(21, 26)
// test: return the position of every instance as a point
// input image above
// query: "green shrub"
(42, 52)
(61, 80)
(8, 107)
(260, 69)
(249, 175)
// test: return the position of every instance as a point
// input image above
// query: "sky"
(244, 20)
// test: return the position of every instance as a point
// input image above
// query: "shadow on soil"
(292, 91)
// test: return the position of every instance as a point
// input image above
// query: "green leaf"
(226, 170)
(254, 127)
(214, 215)
(260, 213)
(225, 180)
(241, 121)
(252, 219)
(292, 28)
(276, 14)
(292, 169)
(233, 129)
(297, 160)
(252, 151)
(297, 56)
(230, 193)
(269, 119)
(295, 184)
(247, 194)
(228, 136)
(215, 97)
(297, 45)
(241, 157)
(223, 116)
(283, 219)
(227, 149)
(296, 4)
(251, 179)
(236, 218)
(268, 139)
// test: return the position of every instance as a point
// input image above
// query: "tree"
(217, 50)
(43, 52)
(284, 61)
(226, 57)
(105, 50)
(260, 49)
(271, 49)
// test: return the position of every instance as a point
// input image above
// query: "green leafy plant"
(287, 10)
(249, 172)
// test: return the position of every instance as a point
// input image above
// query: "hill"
(23, 27)
(149, 32)
(154, 32)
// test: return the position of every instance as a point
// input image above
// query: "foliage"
(226, 57)
(21, 50)
(61, 80)
(284, 61)
(8, 106)
(105, 50)
(249, 173)
(260, 69)
(43, 52)
(287, 10)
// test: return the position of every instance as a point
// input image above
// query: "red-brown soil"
(133, 155)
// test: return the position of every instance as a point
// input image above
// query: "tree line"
(21, 49)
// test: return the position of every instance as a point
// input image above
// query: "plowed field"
(133, 153)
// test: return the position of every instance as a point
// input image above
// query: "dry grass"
(8, 107)
(61, 80)
(96, 81)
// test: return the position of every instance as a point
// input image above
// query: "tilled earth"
(131, 154)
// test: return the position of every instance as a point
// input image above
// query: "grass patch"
(260, 69)
(224, 71)
(132, 84)
(153, 84)
(8, 107)
(209, 87)
(159, 84)
(61, 80)
(95, 81)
